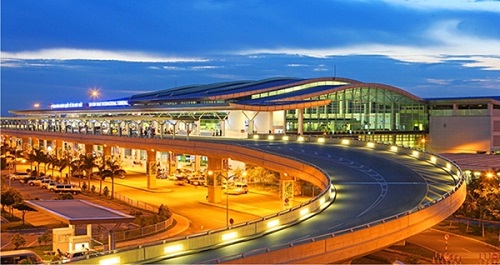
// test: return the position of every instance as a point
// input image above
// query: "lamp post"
(227, 200)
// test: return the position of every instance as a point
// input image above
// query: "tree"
(24, 208)
(88, 164)
(37, 156)
(113, 170)
(84, 164)
(12, 153)
(9, 197)
(45, 238)
(53, 162)
(18, 240)
(164, 212)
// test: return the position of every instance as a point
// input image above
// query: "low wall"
(341, 246)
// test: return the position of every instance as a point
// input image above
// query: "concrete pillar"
(287, 190)
(197, 163)
(214, 179)
(271, 121)
(300, 122)
(197, 127)
(222, 124)
(284, 122)
(106, 151)
(171, 163)
(35, 143)
(151, 169)
(59, 149)
(89, 149)
(26, 144)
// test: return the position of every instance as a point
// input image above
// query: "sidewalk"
(41, 219)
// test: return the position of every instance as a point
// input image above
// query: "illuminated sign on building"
(66, 105)
(108, 103)
(90, 104)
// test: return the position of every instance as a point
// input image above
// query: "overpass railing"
(225, 236)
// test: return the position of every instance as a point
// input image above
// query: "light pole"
(227, 200)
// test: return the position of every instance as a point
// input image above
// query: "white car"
(197, 181)
(37, 181)
(237, 188)
(78, 255)
(18, 175)
(51, 185)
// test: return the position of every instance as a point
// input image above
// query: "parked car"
(27, 179)
(18, 175)
(68, 188)
(37, 181)
(20, 256)
(51, 185)
(44, 182)
(237, 188)
(78, 255)
(197, 181)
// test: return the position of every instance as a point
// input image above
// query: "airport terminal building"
(322, 107)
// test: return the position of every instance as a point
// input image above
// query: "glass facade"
(361, 109)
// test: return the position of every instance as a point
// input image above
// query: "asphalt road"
(371, 185)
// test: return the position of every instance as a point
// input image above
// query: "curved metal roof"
(278, 93)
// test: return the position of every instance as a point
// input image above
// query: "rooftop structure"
(330, 106)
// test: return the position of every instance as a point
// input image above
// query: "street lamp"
(94, 93)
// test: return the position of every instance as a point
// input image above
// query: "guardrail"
(393, 227)
(388, 223)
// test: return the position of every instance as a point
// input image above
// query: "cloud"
(441, 82)
(466, 5)
(89, 54)
(445, 43)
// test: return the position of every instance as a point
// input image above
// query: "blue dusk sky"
(56, 51)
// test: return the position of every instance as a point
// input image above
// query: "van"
(237, 188)
(20, 257)
(67, 188)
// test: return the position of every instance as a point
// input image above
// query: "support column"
(284, 122)
(287, 190)
(197, 131)
(26, 144)
(271, 122)
(151, 168)
(222, 124)
(89, 148)
(36, 143)
(214, 180)
(106, 151)
(197, 163)
(59, 149)
(300, 122)
(171, 163)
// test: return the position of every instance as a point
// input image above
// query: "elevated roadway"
(383, 195)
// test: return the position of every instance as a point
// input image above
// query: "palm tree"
(12, 152)
(65, 163)
(76, 168)
(102, 175)
(88, 163)
(113, 170)
(37, 156)
(52, 162)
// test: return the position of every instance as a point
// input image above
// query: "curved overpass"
(384, 195)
